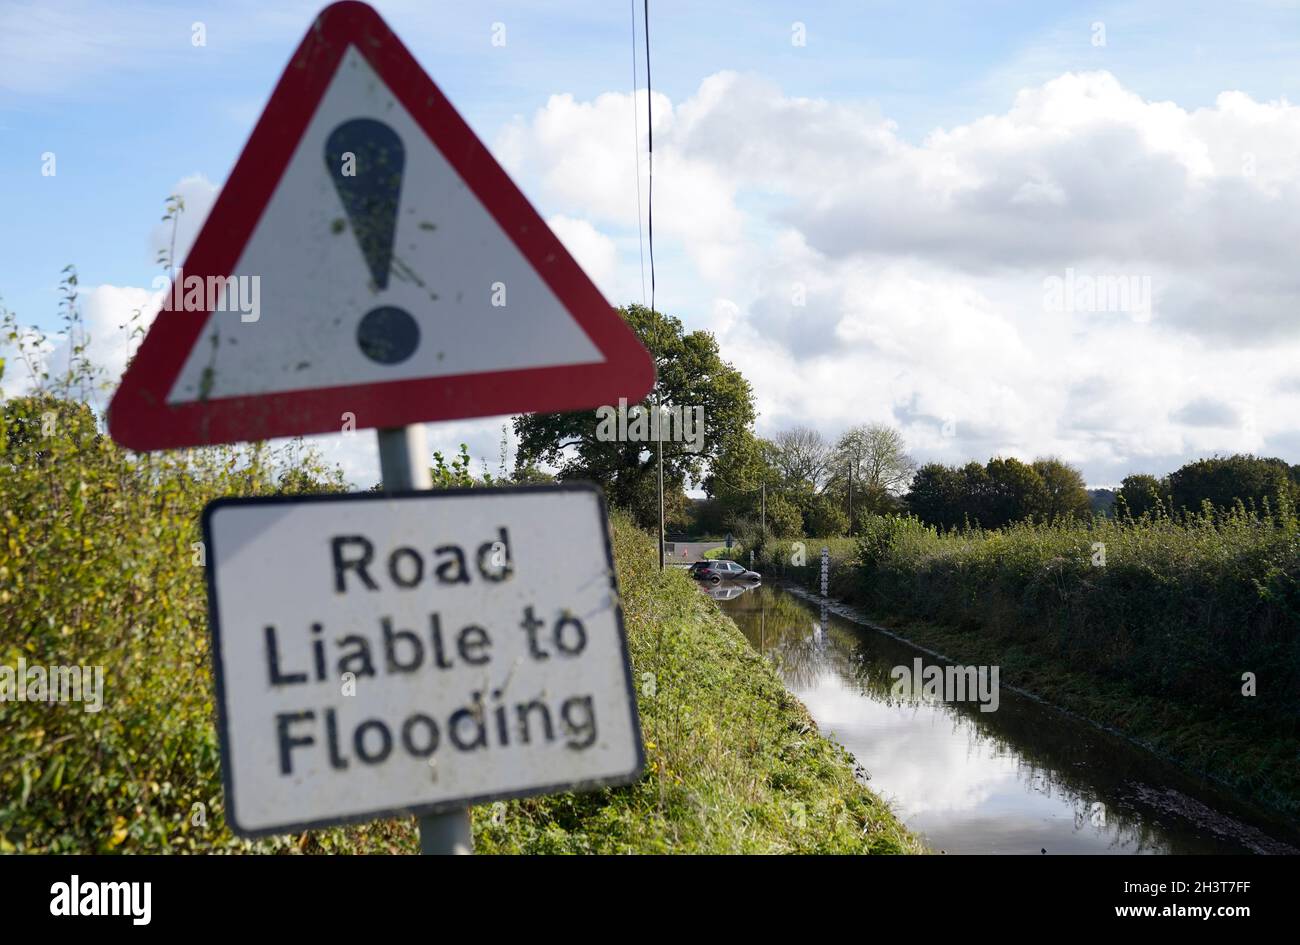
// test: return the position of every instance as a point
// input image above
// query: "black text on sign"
(390, 654)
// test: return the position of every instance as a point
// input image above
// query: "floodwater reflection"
(1022, 779)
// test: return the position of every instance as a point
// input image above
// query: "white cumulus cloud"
(854, 275)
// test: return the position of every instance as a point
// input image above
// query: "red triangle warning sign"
(369, 264)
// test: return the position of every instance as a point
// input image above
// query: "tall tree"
(976, 502)
(783, 517)
(1139, 494)
(869, 470)
(690, 374)
(1017, 492)
(1223, 481)
(802, 455)
(737, 478)
(877, 457)
(1066, 493)
(994, 495)
(825, 518)
(938, 495)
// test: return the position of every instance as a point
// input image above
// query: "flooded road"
(1022, 779)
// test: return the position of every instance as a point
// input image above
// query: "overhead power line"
(636, 151)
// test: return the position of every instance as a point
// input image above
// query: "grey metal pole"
(660, 438)
(447, 834)
(403, 458)
(404, 465)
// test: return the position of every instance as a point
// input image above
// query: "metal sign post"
(352, 634)
(403, 467)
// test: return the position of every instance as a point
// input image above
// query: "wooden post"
(850, 499)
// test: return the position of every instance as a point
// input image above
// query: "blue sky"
(130, 107)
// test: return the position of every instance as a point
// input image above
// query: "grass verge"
(100, 566)
(735, 763)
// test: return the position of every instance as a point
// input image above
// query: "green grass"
(713, 554)
(97, 567)
(736, 764)
(1153, 640)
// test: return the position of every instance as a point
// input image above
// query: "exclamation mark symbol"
(365, 158)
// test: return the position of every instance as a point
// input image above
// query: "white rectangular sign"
(380, 654)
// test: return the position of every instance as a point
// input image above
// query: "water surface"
(1022, 779)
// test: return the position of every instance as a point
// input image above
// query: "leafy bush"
(825, 518)
(101, 565)
(1183, 604)
(783, 517)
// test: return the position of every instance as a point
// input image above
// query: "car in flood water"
(722, 591)
(721, 570)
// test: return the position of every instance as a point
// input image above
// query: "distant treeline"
(1004, 491)
(996, 494)
(1255, 482)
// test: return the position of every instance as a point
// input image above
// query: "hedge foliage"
(1175, 609)
(100, 565)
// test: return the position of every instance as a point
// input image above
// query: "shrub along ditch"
(1159, 626)
(101, 566)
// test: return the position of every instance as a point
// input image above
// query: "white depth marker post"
(404, 466)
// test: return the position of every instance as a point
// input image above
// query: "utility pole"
(764, 508)
(659, 432)
(659, 418)
(850, 499)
